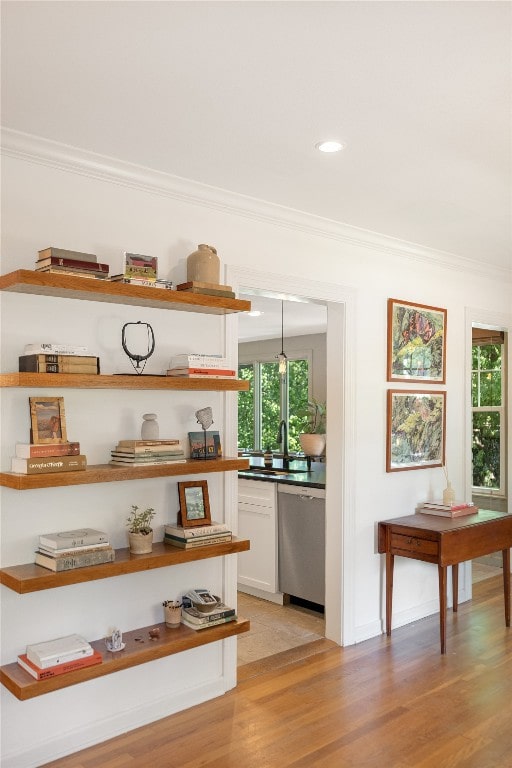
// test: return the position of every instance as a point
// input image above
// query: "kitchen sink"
(274, 472)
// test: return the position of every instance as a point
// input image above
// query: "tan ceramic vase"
(140, 543)
(203, 265)
(312, 444)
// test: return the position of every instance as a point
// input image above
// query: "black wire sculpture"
(135, 359)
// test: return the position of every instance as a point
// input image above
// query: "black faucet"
(282, 438)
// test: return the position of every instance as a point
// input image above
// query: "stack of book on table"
(55, 657)
(455, 509)
(198, 366)
(195, 619)
(41, 458)
(57, 358)
(207, 289)
(63, 261)
(147, 452)
(67, 550)
(197, 536)
(141, 270)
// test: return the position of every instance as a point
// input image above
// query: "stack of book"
(62, 261)
(147, 452)
(197, 620)
(207, 289)
(197, 366)
(56, 657)
(41, 362)
(140, 270)
(40, 458)
(198, 536)
(67, 550)
(455, 509)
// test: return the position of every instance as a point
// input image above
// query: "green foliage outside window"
(487, 398)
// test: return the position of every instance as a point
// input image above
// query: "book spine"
(70, 562)
(202, 370)
(64, 253)
(192, 543)
(198, 362)
(58, 261)
(196, 532)
(58, 357)
(91, 370)
(137, 443)
(36, 450)
(148, 462)
(61, 541)
(58, 669)
(229, 612)
(198, 627)
(35, 466)
(62, 349)
(58, 659)
(70, 551)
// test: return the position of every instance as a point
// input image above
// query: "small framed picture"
(194, 504)
(205, 445)
(416, 342)
(416, 426)
(47, 420)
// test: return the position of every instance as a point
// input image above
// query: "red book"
(201, 372)
(40, 450)
(58, 669)
(57, 261)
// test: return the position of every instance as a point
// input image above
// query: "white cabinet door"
(257, 521)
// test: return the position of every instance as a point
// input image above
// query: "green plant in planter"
(314, 415)
(140, 522)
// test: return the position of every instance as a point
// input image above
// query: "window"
(271, 398)
(488, 411)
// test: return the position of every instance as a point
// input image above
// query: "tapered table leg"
(455, 586)
(442, 605)
(390, 562)
(506, 584)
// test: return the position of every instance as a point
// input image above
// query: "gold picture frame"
(194, 503)
(47, 420)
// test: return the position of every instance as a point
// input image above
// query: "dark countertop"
(315, 478)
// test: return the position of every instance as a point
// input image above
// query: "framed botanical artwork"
(416, 430)
(47, 420)
(194, 504)
(416, 342)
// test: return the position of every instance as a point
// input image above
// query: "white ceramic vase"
(312, 444)
(150, 429)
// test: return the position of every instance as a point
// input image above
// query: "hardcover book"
(78, 271)
(64, 253)
(64, 261)
(35, 466)
(62, 562)
(197, 531)
(74, 538)
(193, 543)
(55, 363)
(40, 450)
(212, 623)
(199, 284)
(201, 370)
(58, 651)
(146, 462)
(72, 550)
(198, 361)
(58, 669)
(145, 443)
(60, 349)
(221, 611)
(460, 512)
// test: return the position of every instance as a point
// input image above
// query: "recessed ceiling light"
(254, 313)
(330, 146)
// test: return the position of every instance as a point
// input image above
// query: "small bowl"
(202, 608)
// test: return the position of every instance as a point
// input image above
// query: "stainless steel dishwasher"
(301, 542)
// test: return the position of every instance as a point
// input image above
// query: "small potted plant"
(312, 440)
(140, 532)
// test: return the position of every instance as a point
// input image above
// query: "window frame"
(479, 490)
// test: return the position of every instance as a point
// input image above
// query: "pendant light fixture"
(283, 360)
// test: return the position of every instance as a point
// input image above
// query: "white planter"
(312, 444)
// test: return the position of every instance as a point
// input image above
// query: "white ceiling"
(236, 94)
(288, 318)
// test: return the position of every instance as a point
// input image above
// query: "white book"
(58, 651)
(69, 539)
(198, 361)
(72, 550)
(196, 531)
(49, 349)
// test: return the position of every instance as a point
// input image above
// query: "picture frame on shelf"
(416, 342)
(416, 430)
(194, 503)
(205, 445)
(47, 420)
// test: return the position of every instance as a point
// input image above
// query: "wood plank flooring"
(385, 703)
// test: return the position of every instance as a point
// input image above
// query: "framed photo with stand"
(416, 428)
(47, 420)
(205, 445)
(194, 503)
(416, 342)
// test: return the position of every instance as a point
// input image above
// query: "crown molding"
(34, 149)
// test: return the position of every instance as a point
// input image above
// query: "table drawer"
(412, 546)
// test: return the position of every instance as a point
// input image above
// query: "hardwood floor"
(385, 703)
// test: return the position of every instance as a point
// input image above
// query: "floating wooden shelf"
(33, 578)
(139, 649)
(72, 287)
(107, 473)
(121, 381)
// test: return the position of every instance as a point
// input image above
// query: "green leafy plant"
(140, 522)
(314, 416)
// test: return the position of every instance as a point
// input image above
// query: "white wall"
(44, 205)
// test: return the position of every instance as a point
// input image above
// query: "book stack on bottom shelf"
(66, 550)
(455, 509)
(198, 536)
(198, 620)
(56, 657)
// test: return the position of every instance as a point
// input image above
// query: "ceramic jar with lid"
(204, 265)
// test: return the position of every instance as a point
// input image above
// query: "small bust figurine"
(204, 417)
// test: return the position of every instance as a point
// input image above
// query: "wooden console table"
(446, 541)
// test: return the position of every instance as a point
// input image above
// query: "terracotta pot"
(204, 265)
(140, 543)
(312, 444)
